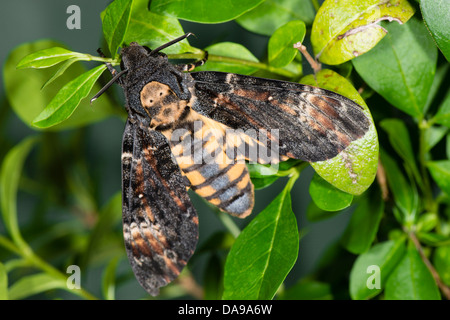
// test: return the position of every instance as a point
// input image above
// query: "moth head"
(133, 55)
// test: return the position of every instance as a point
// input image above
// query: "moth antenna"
(116, 77)
(168, 44)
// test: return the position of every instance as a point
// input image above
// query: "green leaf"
(354, 169)
(281, 49)
(385, 255)
(28, 106)
(427, 222)
(10, 174)
(68, 98)
(47, 58)
(109, 279)
(401, 142)
(34, 284)
(405, 196)
(264, 252)
(272, 14)
(152, 30)
(212, 11)
(3, 283)
(411, 279)
(443, 114)
(346, 29)
(440, 171)
(363, 225)
(232, 50)
(433, 135)
(308, 290)
(327, 197)
(314, 213)
(115, 23)
(401, 67)
(441, 261)
(60, 71)
(435, 14)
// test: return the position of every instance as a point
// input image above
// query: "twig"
(382, 181)
(315, 65)
(444, 289)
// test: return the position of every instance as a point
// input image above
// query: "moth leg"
(108, 65)
(192, 66)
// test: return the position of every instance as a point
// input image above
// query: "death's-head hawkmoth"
(177, 118)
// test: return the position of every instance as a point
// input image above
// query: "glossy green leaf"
(28, 106)
(262, 175)
(34, 284)
(345, 29)
(435, 14)
(109, 279)
(60, 71)
(363, 225)
(411, 279)
(264, 252)
(281, 51)
(354, 169)
(10, 174)
(211, 11)
(272, 14)
(314, 213)
(440, 171)
(441, 261)
(152, 30)
(231, 50)
(399, 138)
(405, 196)
(308, 290)
(115, 23)
(47, 57)
(327, 197)
(401, 67)
(68, 98)
(385, 256)
(3, 283)
(443, 114)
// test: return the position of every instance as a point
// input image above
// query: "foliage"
(395, 52)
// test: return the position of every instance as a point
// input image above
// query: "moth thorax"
(162, 105)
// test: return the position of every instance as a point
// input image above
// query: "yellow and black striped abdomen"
(201, 155)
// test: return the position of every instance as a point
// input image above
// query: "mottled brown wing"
(160, 224)
(313, 124)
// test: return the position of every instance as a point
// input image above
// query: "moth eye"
(160, 93)
(151, 101)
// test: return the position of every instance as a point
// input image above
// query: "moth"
(176, 117)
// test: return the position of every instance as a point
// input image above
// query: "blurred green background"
(100, 146)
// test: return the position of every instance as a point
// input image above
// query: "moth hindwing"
(195, 130)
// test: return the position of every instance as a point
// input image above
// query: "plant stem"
(27, 253)
(229, 223)
(259, 65)
(444, 289)
(315, 4)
